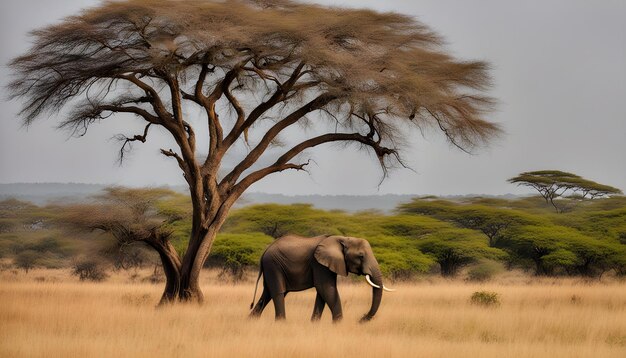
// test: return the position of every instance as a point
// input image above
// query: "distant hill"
(44, 193)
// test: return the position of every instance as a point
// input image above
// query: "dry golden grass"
(537, 318)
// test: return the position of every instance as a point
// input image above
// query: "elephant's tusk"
(367, 278)
(388, 289)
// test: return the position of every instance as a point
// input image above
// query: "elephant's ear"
(329, 253)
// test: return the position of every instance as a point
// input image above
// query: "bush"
(26, 260)
(89, 270)
(232, 253)
(484, 271)
(485, 298)
(400, 261)
(453, 249)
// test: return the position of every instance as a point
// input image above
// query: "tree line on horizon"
(126, 228)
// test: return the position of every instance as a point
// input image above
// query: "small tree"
(132, 216)
(254, 69)
(552, 184)
(454, 249)
(26, 260)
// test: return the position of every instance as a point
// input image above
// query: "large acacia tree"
(255, 70)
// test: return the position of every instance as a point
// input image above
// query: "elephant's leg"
(279, 306)
(318, 308)
(260, 306)
(275, 279)
(330, 294)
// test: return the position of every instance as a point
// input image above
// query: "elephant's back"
(294, 247)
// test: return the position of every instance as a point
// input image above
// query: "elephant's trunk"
(377, 293)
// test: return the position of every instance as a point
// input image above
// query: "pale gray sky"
(560, 75)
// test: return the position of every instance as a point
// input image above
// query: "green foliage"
(559, 258)
(484, 271)
(609, 225)
(485, 298)
(232, 253)
(618, 260)
(558, 249)
(276, 220)
(491, 221)
(454, 248)
(399, 259)
(176, 209)
(584, 241)
(246, 249)
(423, 236)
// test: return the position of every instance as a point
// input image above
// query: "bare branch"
(278, 96)
(155, 99)
(83, 115)
(181, 162)
(126, 146)
(271, 134)
(451, 138)
(282, 162)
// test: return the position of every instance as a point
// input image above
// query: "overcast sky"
(559, 69)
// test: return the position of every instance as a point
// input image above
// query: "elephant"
(294, 263)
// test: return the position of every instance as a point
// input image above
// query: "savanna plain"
(48, 313)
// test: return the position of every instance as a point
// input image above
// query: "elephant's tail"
(257, 284)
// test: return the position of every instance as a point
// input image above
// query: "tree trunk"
(171, 267)
(193, 262)
(200, 243)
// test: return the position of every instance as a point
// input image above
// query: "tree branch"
(130, 109)
(278, 96)
(282, 163)
(181, 162)
(446, 131)
(269, 136)
(127, 141)
(155, 99)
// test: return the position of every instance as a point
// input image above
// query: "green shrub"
(401, 263)
(485, 298)
(456, 248)
(232, 253)
(559, 258)
(484, 271)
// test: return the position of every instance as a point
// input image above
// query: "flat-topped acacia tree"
(255, 69)
(553, 184)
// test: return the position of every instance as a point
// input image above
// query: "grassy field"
(47, 313)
